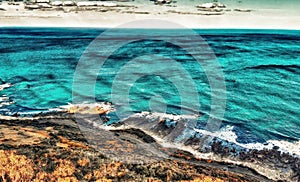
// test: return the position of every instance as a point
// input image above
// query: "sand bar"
(124, 12)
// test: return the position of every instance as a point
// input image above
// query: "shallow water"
(261, 71)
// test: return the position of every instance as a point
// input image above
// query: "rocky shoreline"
(52, 146)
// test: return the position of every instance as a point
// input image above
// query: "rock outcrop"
(51, 147)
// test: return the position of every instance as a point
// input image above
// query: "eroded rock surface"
(52, 147)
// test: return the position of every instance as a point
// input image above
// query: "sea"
(259, 71)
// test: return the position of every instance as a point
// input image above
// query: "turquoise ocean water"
(261, 70)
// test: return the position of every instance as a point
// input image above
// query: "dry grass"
(55, 153)
(65, 143)
(15, 167)
(15, 135)
(63, 172)
(203, 178)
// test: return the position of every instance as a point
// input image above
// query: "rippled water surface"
(261, 70)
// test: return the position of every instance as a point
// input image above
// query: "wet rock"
(32, 7)
(162, 1)
(97, 108)
(243, 10)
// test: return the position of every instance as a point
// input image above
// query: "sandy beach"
(118, 13)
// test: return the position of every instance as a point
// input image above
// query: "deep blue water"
(261, 71)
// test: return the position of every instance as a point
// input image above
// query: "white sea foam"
(5, 104)
(227, 134)
(4, 101)
(285, 146)
(4, 98)
(155, 115)
(4, 86)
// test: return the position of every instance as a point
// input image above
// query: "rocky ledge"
(52, 148)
